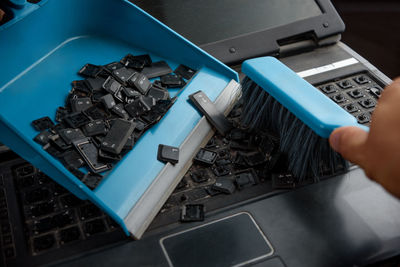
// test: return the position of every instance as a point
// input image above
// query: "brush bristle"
(309, 155)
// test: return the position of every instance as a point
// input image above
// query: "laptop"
(241, 209)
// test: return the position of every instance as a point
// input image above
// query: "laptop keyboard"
(52, 223)
(357, 94)
(52, 219)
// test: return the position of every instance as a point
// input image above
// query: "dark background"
(373, 30)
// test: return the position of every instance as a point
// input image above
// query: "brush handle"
(307, 103)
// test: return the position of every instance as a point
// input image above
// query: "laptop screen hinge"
(296, 48)
(298, 45)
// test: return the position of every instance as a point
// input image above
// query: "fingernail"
(335, 140)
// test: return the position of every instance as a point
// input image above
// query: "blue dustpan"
(41, 49)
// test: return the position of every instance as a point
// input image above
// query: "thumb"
(350, 142)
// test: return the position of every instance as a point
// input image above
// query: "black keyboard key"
(136, 62)
(123, 74)
(112, 224)
(89, 211)
(117, 136)
(96, 113)
(168, 154)
(90, 70)
(172, 81)
(111, 85)
(70, 234)
(185, 72)
(158, 93)
(42, 178)
(339, 98)
(156, 69)
(120, 111)
(131, 93)
(283, 181)
(63, 219)
(80, 104)
(44, 242)
(42, 208)
(89, 152)
(376, 92)
(92, 180)
(140, 83)
(42, 124)
(95, 227)
(328, 89)
(76, 120)
(59, 190)
(213, 115)
(69, 201)
(221, 170)
(37, 195)
(206, 157)
(255, 159)
(113, 66)
(43, 225)
(245, 179)
(42, 138)
(25, 170)
(3, 214)
(367, 103)
(346, 84)
(9, 252)
(200, 176)
(363, 118)
(351, 108)
(192, 213)
(95, 84)
(69, 135)
(108, 101)
(25, 182)
(95, 127)
(5, 228)
(362, 79)
(73, 160)
(140, 106)
(224, 185)
(81, 86)
(7, 240)
(357, 93)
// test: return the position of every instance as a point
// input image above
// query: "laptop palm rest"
(231, 241)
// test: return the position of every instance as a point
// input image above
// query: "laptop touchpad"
(234, 240)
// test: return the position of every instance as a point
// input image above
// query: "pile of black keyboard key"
(107, 112)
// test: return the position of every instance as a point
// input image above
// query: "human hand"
(377, 152)
(2, 13)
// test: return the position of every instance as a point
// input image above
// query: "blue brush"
(275, 98)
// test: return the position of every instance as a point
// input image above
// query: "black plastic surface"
(230, 241)
(247, 44)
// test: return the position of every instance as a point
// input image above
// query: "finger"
(350, 143)
(396, 80)
(2, 13)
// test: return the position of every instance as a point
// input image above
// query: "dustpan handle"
(18, 9)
